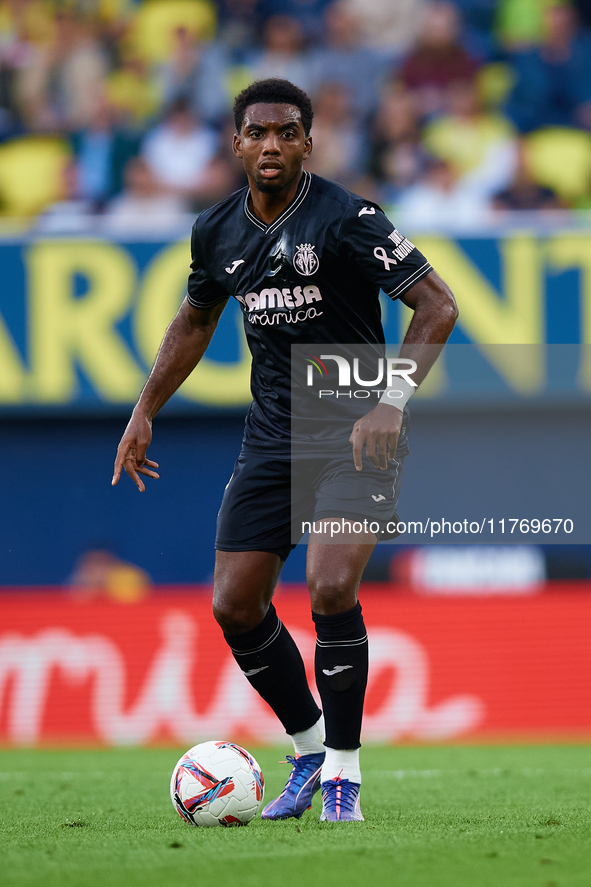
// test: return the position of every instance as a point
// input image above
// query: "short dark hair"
(273, 91)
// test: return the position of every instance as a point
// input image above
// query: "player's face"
(272, 145)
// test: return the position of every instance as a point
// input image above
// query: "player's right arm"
(183, 346)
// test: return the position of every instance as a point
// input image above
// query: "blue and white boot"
(340, 801)
(302, 785)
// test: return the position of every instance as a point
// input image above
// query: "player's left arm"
(434, 317)
(435, 313)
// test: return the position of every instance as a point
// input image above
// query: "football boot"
(340, 801)
(302, 785)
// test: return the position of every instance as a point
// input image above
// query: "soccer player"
(306, 260)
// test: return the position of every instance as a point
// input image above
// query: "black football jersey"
(312, 276)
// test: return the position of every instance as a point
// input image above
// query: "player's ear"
(237, 145)
(307, 147)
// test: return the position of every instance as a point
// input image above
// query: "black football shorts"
(269, 503)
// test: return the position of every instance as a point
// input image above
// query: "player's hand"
(378, 431)
(131, 453)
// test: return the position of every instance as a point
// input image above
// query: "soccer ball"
(217, 783)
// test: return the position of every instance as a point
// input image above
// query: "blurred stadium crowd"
(448, 112)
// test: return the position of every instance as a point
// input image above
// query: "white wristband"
(399, 395)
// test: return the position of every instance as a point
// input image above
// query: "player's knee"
(235, 617)
(330, 595)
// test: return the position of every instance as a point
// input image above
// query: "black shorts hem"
(283, 552)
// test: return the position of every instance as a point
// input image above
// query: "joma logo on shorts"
(273, 297)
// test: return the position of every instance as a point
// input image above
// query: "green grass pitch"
(443, 816)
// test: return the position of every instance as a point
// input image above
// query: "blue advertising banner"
(81, 318)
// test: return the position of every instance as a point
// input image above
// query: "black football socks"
(341, 674)
(269, 658)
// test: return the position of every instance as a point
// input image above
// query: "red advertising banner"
(159, 670)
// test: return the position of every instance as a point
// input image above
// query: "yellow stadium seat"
(37, 16)
(521, 22)
(115, 10)
(237, 78)
(31, 174)
(152, 32)
(131, 93)
(560, 158)
(494, 83)
(465, 143)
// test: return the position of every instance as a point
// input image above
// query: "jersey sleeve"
(202, 290)
(380, 253)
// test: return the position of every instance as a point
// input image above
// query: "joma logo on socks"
(251, 672)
